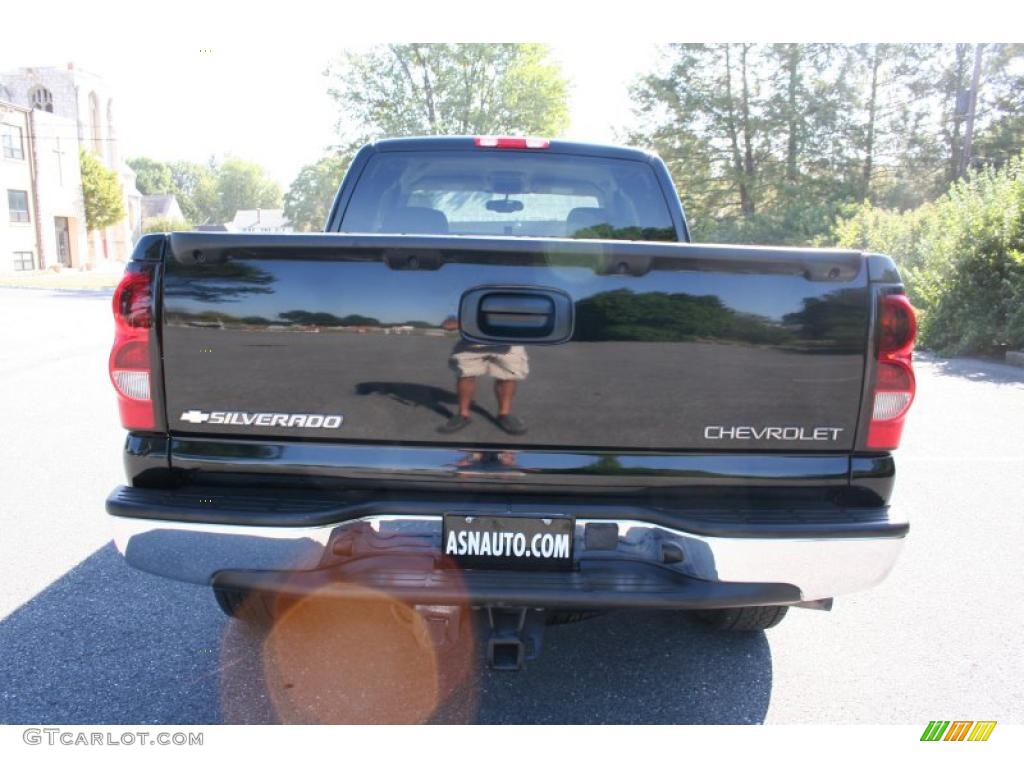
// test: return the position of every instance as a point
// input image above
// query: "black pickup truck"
(503, 380)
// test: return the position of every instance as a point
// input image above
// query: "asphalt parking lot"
(85, 639)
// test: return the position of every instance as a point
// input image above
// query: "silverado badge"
(245, 419)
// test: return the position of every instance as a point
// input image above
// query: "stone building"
(17, 211)
(75, 110)
(42, 215)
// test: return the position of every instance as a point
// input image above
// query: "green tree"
(309, 198)
(432, 88)
(101, 190)
(1000, 136)
(196, 190)
(210, 192)
(892, 137)
(192, 184)
(692, 118)
(812, 168)
(771, 143)
(938, 92)
(1000, 142)
(152, 177)
(244, 185)
(748, 132)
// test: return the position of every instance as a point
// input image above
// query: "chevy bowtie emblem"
(246, 419)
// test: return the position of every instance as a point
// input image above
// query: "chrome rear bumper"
(197, 552)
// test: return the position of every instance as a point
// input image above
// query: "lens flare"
(351, 654)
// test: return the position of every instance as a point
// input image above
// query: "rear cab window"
(509, 193)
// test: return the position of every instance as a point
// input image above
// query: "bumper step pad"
(593, 585)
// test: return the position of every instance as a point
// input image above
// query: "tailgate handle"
(516, 314)
(512, 313)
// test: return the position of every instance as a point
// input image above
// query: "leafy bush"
(962, 258)
(166, 225)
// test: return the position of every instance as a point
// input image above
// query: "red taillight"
(897, 326)
(894, 376)
(130, 356)
(511, 142)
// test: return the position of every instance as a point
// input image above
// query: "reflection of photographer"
(506, 364)
(487, 460)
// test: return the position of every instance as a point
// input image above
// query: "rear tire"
(249, 607)
(752, 619)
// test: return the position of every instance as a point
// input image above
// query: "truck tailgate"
(657, 346)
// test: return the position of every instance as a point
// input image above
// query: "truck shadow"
(107, 644)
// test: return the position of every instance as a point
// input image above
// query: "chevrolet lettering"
(772, 433)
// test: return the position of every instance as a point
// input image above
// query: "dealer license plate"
(492, 541)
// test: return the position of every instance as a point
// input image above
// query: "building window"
(94, 116)
(40, 98)
(24, 261)
(17, 203)
(111, 142)
(12, 141)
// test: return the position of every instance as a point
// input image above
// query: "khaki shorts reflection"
(506, 364)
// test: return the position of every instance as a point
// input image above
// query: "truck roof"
(560, 146)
